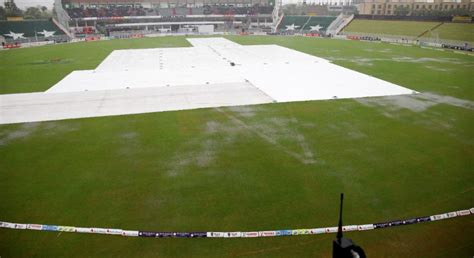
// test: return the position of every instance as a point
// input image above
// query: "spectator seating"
(304, 23)
(120, 11)
(116, 11)
(29, 28)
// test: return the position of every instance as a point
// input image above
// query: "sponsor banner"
(365, 227)
(99, 230)
(267, 233)
(130, 233)
(439, 216)
(49, 228)
(349, 228)
(330, 230)
(464, 213)
(84, 230)
(164, 234)
(113, 231)
(200, 234)
(8, 225)
(300, 232)
(250, 234)
(316, 231)
(452, 214)
(34, 226)
(395, 223)
(182, 234)
(66, 229)
(20, 226)
(146, 234)
(381, 225)
(283, 232)
(215, 234)
(233, 234)
(423, 219)
(410, 221)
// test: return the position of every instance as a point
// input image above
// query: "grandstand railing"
(125, 11)
(277, 15)
(305, 24)
(156, 17)
(61, 18)
(340, 23)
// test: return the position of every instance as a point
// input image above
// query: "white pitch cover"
(215, 72)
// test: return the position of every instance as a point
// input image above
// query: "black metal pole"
(339, 229)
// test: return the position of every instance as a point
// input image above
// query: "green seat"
(29, 27)
(305, 22)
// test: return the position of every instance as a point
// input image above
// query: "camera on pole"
(344, 247)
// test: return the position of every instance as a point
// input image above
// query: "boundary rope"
(267, 233)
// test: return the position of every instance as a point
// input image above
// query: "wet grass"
(39, 68)
(450, 31)
(201, 170)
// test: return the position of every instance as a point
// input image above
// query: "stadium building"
(104, 19)
(118, 18)
(410, 7)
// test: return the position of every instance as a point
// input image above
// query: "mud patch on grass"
(245, 111)
(46, 129)
(128, 144)
(348, 129)
(197, 153)
(415, 102)
(407, 59)
(22, 132)
(129, 135)
(277, 131)
(360, 60)
(204, 150)
(51, 61)
(385, 50)
(55, 128)
(440, 69)
(435, 120)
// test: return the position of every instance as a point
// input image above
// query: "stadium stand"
(31, 30)
(84, 18)
(304, 23)
(440, 31)
(109, 11)
(120, 11)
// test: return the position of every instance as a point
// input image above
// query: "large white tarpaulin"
(214, 72)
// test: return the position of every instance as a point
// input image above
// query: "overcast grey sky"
(27, 3)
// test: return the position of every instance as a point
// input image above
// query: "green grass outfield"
(199, 170)
(449, 31)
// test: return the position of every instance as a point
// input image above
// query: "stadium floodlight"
(344, 247)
